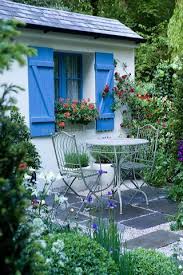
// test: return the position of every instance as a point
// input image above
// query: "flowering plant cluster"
(75, 111)
(124, 87)
(105, 91)
(180, 150)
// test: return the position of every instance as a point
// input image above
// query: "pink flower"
(65, 105)
(91, 106)
(67, 114)
(61, 124)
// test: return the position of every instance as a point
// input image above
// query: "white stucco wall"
(87, 46)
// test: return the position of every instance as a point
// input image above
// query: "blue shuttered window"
(41, 92)
(104, 74)
(68, 76)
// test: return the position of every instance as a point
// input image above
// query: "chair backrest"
(150, 133)
(67, 153)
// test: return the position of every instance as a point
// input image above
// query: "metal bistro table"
(122, 148)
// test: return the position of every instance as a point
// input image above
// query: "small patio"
(140, 225)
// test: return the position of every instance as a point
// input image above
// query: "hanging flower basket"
(75, 112)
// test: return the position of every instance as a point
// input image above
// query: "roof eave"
(95, 35)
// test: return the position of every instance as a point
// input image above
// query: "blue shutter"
(41, 93)
(104, 74)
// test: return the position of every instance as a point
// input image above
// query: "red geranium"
(61, 124)
(22, 166)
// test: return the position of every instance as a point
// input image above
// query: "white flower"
(49, 177)
(34, 192)
(79, 270)
(42, 243)
(48, 261)
(38, 227)
(32, 169)
(61, 263)
(63, 201)
(27, 177)
(57, 246)
(180, 266)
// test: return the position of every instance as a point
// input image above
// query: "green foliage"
(10, 49)
(107, 235)
(72, 160)
(14, 151)
(151, 53)
(178, 224)
(175, 30)
(163, 80)
(68, 253)
(151, 262)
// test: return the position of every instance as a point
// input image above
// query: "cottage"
(75, 59)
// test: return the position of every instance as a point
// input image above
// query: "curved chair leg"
(120, 201)
(138, 189)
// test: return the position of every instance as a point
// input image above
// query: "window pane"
(73, 88)
(72, 66)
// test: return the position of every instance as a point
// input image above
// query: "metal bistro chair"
(142, 160)
(64, 145)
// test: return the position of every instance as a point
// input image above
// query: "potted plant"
(75, 112)
(72, 160)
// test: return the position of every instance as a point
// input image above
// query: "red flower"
(67, 114)
(124, 76)
(65, 105)
(75, 101)
(73, 105)
(132, 90)
(91, 106)
(61, 124)
(22, 166)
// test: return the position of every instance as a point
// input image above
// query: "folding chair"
(142, 161)
(65, 144)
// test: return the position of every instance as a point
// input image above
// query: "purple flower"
(94, 226)
(109, 194)
(100, 172)
(111, 204)
(180, 150)
(89, 199)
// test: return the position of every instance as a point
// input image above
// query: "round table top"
(116, 141)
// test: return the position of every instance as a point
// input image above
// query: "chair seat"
(129, 165)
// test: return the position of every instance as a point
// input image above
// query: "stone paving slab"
(164, 206)
(129, 212)
(147, 221)
(152, 193)
(155, 239)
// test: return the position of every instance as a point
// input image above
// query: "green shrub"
(178, 224)
(68, 253)
(72, 160)
(151, 262)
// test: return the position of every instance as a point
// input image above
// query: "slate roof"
(64, 21)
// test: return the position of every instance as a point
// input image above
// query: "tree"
(175, 30)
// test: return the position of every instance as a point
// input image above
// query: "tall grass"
(106, 233)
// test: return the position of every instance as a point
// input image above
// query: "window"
(68, 76)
